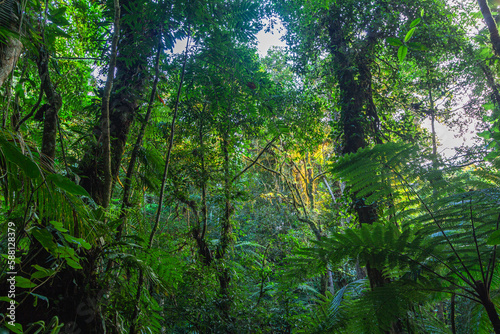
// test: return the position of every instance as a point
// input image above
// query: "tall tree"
(140, 34)
(10, 45)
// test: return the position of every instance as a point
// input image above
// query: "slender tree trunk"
(491, 24)
(125, 99)
(9, 54)
(433, 118)
(133, 327)
(226, 233)
(330, 280)
(200, 231)
(490, 79)
(108, 178)
(49, 135)
(452, 314)
(127, 187)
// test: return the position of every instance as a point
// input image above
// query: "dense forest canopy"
(213, 190)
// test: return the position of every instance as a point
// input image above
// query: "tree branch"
(256, 159)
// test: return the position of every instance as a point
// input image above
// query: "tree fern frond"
(433, 227)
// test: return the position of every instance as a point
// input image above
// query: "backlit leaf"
(403, 50)
(409, 34)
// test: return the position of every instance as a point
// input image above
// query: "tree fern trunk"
(489, 306)
(492, 314)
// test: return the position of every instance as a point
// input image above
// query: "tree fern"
(432, 231)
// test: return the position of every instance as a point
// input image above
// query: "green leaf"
(81, 242)
(17, 328)
(58, 226)
(484, 53)
(58, 11)
(282, 127)
(488, 106)
(492, 155)
(13, 154)
(42, 272)
(72, 263)
(37, 296)
(422, 12)
(409, 34)
(403, 50)
(67, 185)
(59, 20)
(494, 238)
(59, 32)
(417, 46)
(415, 22)
(485, 134)
(66, 252)
(394, 41)
(23, 282)
(45, 239)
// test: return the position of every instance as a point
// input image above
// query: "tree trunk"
(358, 113)
(51, 111)
(10, 47)
(127, 187)
(10, 51)
(106, 138)
(489, 306)
(492, 314)
(491, 24)
(135, 315)
(134, 51)
(452, 315)
(226, 233)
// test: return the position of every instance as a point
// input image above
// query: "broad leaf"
(67, 185)
(409, 34)
(45, 239)
(58, 226)
(72, 263)
(403, 50)
(415, 22)
(417, 46)
(494, 238)
(13, 154)
(23, 282)
(17, 328)
(394, 41)
(79, 241)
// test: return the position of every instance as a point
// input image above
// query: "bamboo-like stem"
(106, 137)
(140, 283)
